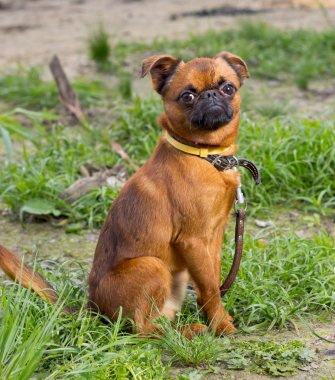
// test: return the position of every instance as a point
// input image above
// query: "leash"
(222, 163)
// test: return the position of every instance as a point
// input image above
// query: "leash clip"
(240, 203)
(232, 162)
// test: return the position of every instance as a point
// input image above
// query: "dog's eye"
(187, 97)
(228, 89)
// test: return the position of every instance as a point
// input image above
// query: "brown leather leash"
(239, 232)
(222, 163)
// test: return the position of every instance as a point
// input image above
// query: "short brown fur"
(166, 226)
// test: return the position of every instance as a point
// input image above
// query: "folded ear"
(236, 63)
(161, 68)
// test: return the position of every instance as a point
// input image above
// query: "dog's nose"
(209, 94)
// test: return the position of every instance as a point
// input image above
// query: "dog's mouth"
(211, 117)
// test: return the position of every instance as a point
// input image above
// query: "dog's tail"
(13, 266)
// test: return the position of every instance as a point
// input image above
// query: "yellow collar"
(202, 152)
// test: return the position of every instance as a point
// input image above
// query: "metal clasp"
(240, 202)
(233, 162)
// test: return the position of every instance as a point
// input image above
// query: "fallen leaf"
(38, 207)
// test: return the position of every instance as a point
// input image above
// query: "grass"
(296, 166)
(81, 346)
(282, 278)
(18, 336)
(26, 89)
(294, 56)
(99, 47)
(62, 345)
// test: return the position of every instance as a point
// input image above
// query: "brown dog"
(166, 226)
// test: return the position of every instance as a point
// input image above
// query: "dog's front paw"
(229, 318)
(225, 327)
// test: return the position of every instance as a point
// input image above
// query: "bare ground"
(31, 31)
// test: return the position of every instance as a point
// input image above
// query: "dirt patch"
(46, 241)
(32, 31)
(290, 101)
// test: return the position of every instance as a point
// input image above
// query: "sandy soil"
(31, 31)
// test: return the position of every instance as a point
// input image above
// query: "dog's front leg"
(202, 264)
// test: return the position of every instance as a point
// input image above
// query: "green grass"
(37, 338)
(25, 88)
(21, 343)
(295, 56)
(277, 283)
(99, 48)
(49, 171)
(263, 357)
(281, 279)
(296, 158)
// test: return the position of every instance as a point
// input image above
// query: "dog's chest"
(205, 204)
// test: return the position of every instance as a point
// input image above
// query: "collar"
(220, 157)
(201, 151)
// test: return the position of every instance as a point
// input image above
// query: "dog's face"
(201, 97)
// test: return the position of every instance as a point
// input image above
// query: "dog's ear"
(161, 68)
(236, 63)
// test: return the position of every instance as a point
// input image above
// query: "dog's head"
(201, 97)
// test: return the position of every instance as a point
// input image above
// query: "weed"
(125, 84)
(201, 350)
(99, 47)
(143, 362)
(296, 157)
(268, 357)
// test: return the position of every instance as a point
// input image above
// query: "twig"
(67, 95)
(120, 151)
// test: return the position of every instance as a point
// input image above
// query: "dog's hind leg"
(206, 277)
(178, 292)
(140, 286)
(174, 304)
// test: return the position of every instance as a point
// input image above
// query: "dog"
(166, 226)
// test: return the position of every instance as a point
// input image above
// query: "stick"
(67, 95)
(120, 151)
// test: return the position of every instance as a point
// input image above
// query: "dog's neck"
(191, 141)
